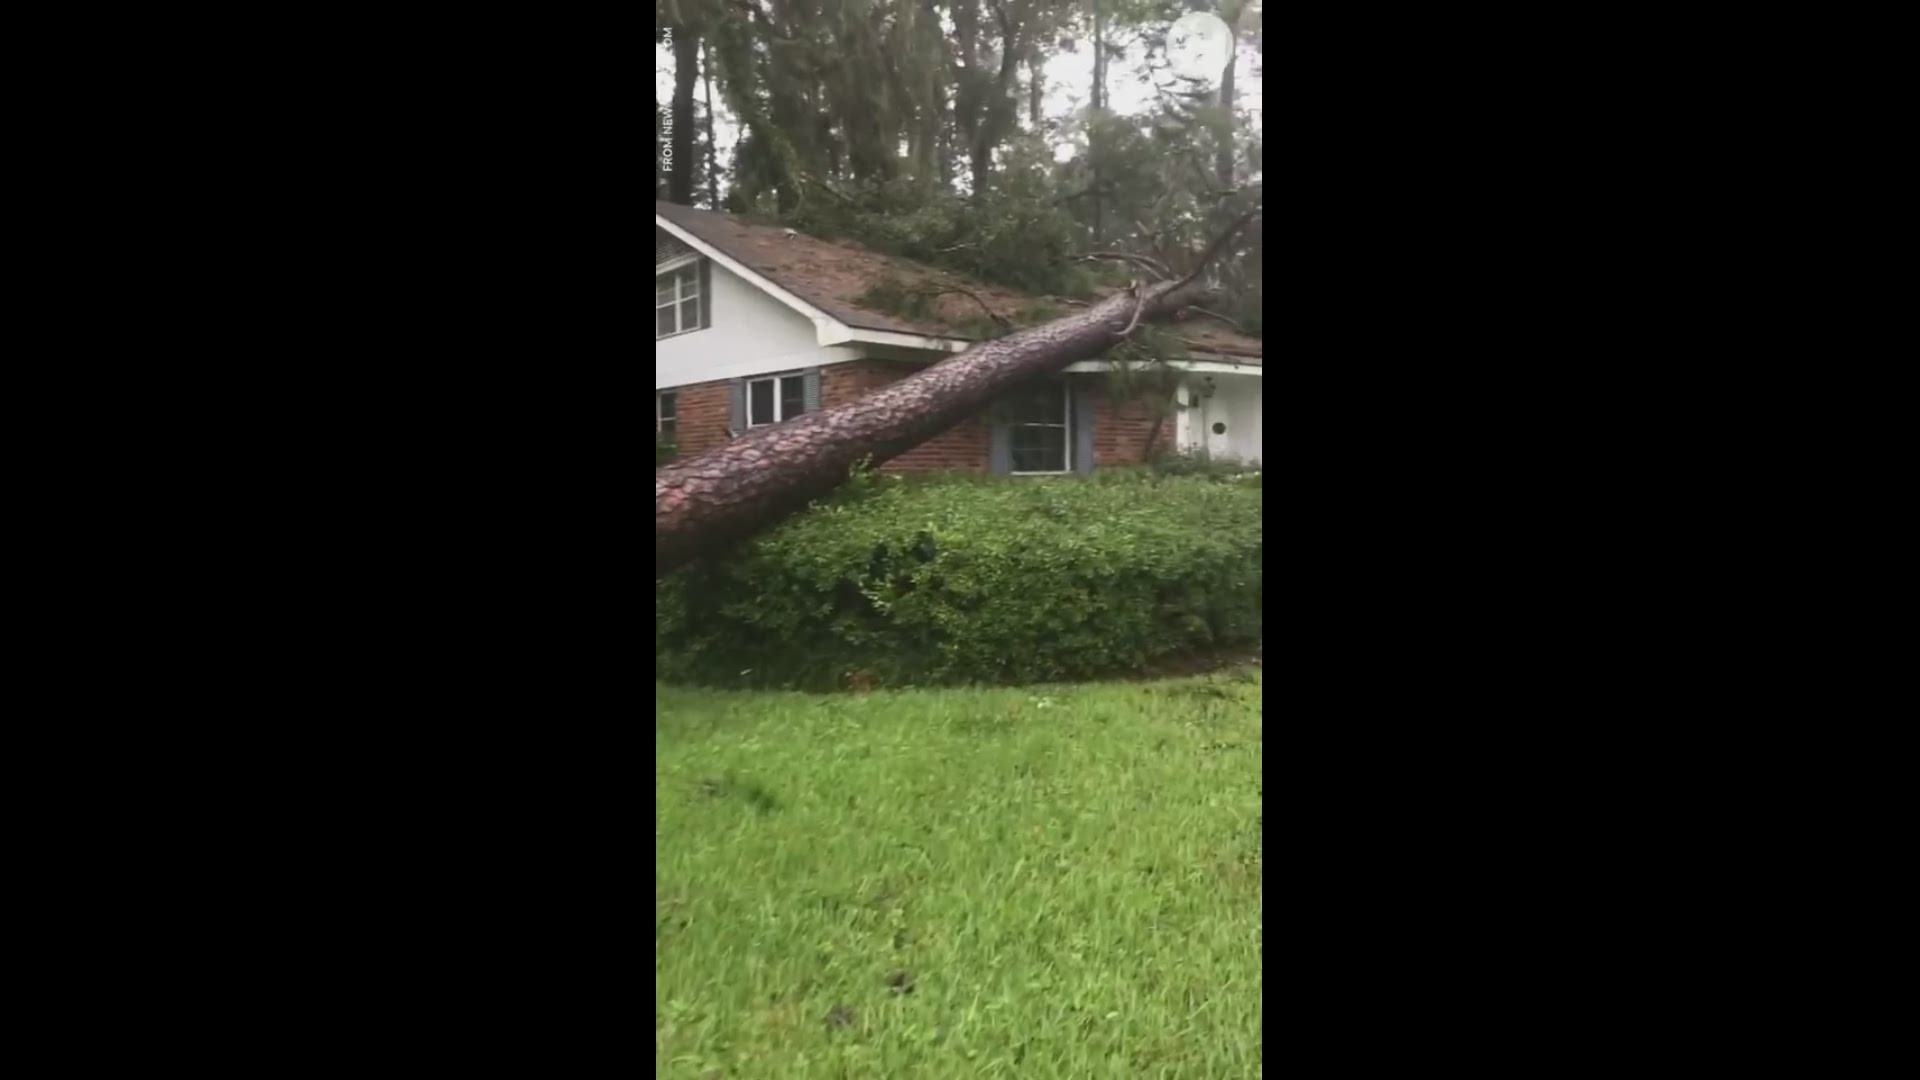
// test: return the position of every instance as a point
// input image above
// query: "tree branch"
(1219, 244)
(1152, 266)
(828, 188)
(945, 288)
(1217, 315)
(1105, 187)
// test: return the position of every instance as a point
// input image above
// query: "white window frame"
(659, 414)
(1066, 434)
(673, 269)
(778, 409)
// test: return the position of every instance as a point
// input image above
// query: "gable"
(747, 332)
(667, 246)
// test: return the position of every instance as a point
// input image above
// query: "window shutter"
(706, 293)
(810, 387)
(1083, 395)
(736, 407)
(999, 446)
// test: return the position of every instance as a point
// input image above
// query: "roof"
(833, 275)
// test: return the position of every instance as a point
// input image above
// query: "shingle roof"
(832, 275)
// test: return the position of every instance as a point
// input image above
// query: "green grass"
(1037, 882)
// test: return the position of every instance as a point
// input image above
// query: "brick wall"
(701, 421)
(841, 383)
(1120, 430)
(960, 448)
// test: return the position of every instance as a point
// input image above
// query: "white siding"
(751, 333)
(1235, 403)
(1243, 418)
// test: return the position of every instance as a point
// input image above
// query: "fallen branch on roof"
(828, 188)
(945, 288)
(1152, 266)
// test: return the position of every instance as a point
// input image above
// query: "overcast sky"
(1069, 85)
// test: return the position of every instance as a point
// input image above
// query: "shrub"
(1181, 463)
(972, 580)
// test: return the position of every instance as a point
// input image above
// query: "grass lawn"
(1036, 882)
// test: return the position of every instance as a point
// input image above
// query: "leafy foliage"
(915, 126)
(982, 580)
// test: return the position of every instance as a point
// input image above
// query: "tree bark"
(712, 500)
(1093, 118)
(686, 55)
(1223, 157)
(1036, 82)
(713, 168)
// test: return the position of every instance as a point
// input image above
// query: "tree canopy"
(926, 128)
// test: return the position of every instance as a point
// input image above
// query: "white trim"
(823, 324)
(1211, 366)
(675, 263)
(846, 334)
(1066, 434)
(722, 370)
(674, 273)
(779, 407)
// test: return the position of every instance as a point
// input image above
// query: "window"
(771, 400)
(665, 413)
(676, 301)
(1039, 429)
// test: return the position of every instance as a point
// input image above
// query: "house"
(755, 324)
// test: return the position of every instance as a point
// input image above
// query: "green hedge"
(972, 580)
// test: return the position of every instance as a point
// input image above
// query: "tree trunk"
(686, 56)
(932, 58)
(1223, 157)
(1093, 118)
(713, 168)
(719, 497)
(1036, 83)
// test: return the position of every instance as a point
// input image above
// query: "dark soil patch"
(1183, 665)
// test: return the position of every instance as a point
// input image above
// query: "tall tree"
(1096, 119)
(1223, 153)
(1036, 80)
(686, 56)
(713, 166)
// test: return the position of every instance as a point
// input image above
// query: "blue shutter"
(706, 293)
(810, 388)
(736, 407)
(999, 445)
(1084, 392)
